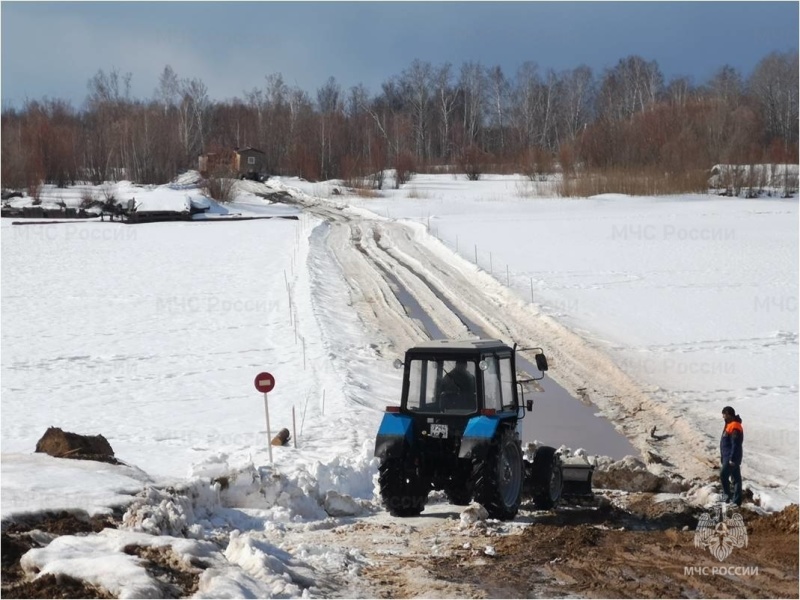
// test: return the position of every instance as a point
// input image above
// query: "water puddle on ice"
(413, 308)
(558, 417)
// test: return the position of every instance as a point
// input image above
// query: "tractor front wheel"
(402, 491)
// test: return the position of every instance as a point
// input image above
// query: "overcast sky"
(53, 48)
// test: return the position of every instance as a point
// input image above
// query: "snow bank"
(106, 560)
(263, 563)
(34, 483)
(268, 494)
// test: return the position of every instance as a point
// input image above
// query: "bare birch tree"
(446, 104)
(416, 84)
(774, 85)
(498, 91)
(472, 85)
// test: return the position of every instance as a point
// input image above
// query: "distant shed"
(250, 162)
(244, 163)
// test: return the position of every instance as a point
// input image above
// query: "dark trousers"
(727, 473)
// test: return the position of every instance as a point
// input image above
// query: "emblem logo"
(720, 533)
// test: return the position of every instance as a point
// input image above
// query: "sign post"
(265, 383)
(294, 428)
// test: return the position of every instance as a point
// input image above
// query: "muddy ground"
(629, 547)
(643, 551)
(623, 555)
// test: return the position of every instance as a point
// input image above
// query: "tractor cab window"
(492, 394)
(507, 384)
(442, 386)
(421, 381)
(498, 384)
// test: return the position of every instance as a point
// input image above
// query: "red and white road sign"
(265, 382)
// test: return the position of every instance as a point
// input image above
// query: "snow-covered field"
(152, 335)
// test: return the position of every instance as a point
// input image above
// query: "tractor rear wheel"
(497, 478)
(547, 478)
(402, 491)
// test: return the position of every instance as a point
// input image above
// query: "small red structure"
(244, 163)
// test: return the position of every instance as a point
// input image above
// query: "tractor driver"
(457, 389)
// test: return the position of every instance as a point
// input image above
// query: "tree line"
(429, 117)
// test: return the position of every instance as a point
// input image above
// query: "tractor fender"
(478, 435)
(394, 433)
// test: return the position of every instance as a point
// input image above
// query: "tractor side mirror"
(398, 364)
(529, 405)
(541, 362)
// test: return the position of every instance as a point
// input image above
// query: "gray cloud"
(52, 49)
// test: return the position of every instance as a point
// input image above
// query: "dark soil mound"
(64, 444)
(61, 523)
(785, 521)
(177, 579)
(53, 586)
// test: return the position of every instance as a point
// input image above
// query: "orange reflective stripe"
(734, 426)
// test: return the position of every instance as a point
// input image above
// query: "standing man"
(730, 447)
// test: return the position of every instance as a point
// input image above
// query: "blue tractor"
(456, 429)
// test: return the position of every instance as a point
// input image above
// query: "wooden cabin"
(244, 163)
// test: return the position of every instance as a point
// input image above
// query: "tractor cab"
(459, 378)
